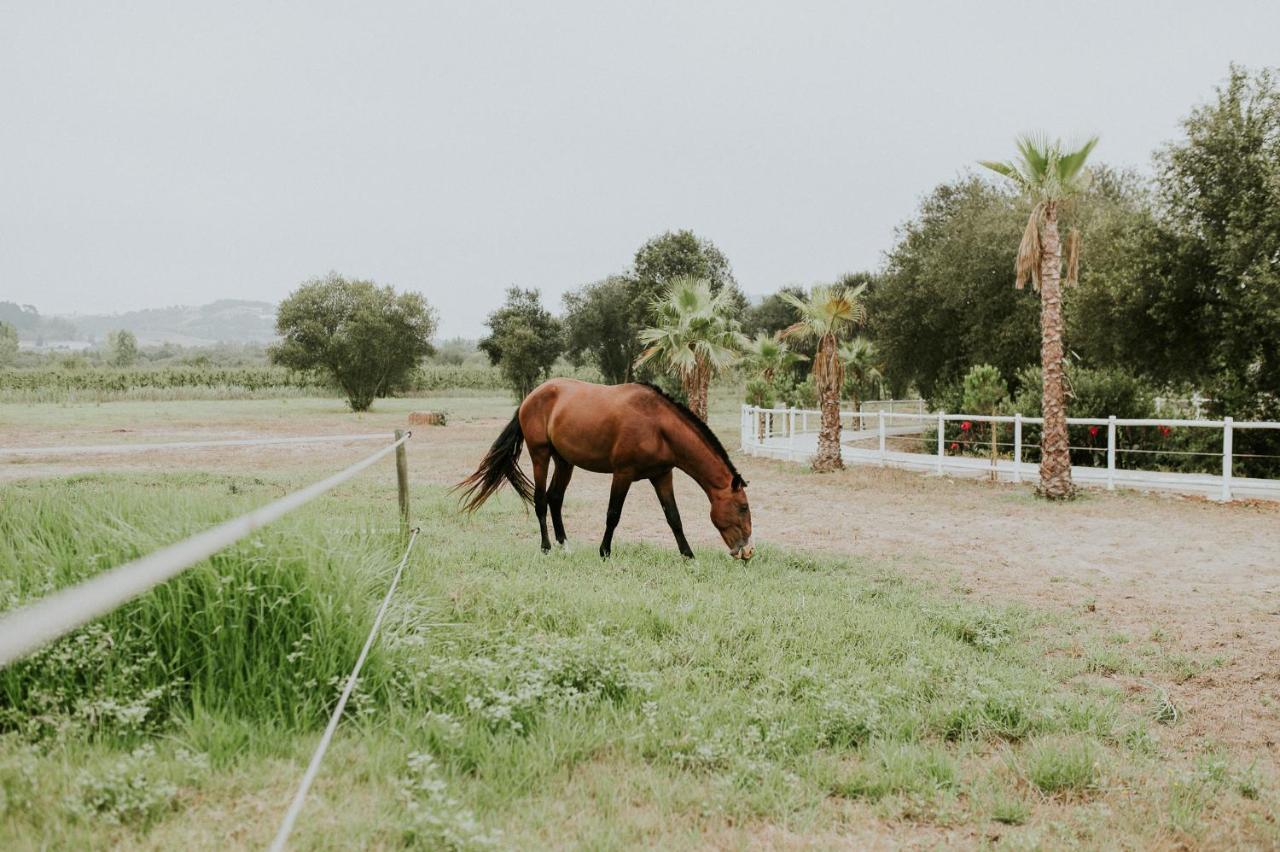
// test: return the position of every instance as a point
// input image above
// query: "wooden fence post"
(402, 484)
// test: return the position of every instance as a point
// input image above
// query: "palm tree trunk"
(696, 386)
(827, 375)
(1055, 449)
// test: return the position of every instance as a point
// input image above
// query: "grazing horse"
(632, 431)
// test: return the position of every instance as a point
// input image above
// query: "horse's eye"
(742, 510)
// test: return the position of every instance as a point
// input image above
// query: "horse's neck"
(696, 457)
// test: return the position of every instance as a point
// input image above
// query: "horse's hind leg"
(541, 457)
(617, 496)
(555, 495)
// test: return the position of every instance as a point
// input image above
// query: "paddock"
(1130, 597)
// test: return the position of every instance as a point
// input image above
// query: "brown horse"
(632, 431)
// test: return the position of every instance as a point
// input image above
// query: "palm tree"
(827, 316)
(861, 364)
(1049, 175)
(694, 336)
(767, 356)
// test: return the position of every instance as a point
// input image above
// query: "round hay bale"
(427, 418)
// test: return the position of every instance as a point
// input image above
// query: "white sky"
(174, 153)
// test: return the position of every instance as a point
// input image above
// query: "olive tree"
(366, 337)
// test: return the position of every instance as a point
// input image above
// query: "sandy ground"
(1202, 574)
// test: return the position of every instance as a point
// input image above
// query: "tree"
(367, 338)
(1220, 192)
(769, 359)
(682, 254)
(524, 340)
(454, 352)
(8, 344)
(122, 348)
(861, 368)
(598, 327)
(694, 336)
(1049, 175)
(827, 316)
(773, 314)
(943, 302)
(985, 393)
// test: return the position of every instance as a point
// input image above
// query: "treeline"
(1179, 284)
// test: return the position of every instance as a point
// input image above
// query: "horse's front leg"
(541, 458)
(665, 486)
(617, 496)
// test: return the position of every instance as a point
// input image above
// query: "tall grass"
(261, 630)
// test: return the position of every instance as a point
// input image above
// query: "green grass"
(527, 700)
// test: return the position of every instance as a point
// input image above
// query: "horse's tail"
(501, 462)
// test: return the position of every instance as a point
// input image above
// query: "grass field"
(807, 699)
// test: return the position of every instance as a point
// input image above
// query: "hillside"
(226, 321)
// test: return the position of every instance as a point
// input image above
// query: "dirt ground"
(1204, 576)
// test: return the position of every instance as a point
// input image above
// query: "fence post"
(1111, 453)
(791, 433)
(1226, 458)
(880, 413)
(1017, 447)
(804, 420)
(402, 484)
(941, 439)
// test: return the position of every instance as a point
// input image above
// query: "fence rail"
(785, 433)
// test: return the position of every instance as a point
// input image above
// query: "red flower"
(1165, 430)
(966, 426)
(954, 445)
(1093, 431)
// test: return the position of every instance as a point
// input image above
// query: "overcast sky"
(174, 153)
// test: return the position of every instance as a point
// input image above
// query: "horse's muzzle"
(744, 551)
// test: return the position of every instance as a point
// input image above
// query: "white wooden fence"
(791, 433)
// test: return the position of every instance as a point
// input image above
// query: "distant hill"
(225, 321)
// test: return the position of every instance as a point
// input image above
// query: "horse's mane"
(701, 425)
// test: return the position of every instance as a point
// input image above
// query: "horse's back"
(586, 423)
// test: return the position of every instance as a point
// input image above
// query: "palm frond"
(1008, 170)
(1026, 266)
(1073, 256)
(1070, 164)
(1036, 151)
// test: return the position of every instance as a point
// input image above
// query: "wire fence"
(33, 626)
(313, 768)
(111, 449)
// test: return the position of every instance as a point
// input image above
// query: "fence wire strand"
(313, 768)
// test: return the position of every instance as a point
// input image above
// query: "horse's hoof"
(546, 548)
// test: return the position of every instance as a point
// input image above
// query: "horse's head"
(732, 516)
